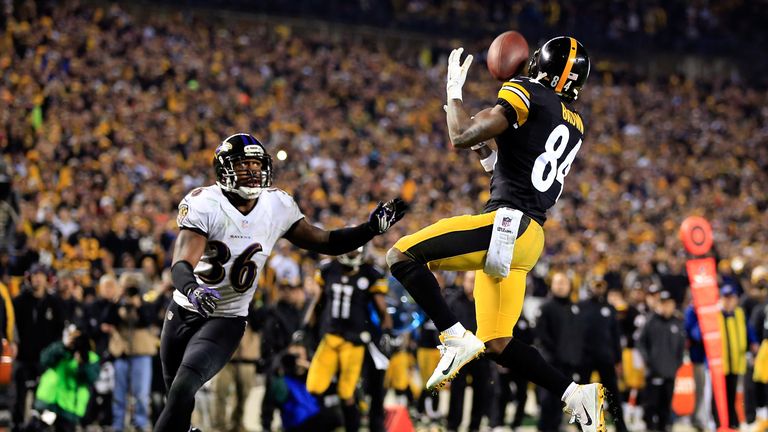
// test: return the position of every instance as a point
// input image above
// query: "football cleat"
(585, 405)
(455, 352)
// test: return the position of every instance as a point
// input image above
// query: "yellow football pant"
(335, 355)
(427, 359)
(461, 243)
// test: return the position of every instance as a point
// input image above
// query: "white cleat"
(585, 405)
(455, 352)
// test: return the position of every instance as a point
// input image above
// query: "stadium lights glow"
(281, 155)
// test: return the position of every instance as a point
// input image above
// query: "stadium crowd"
(108, 118)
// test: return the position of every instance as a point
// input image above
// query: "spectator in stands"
(560, 334)
(9, 206)
(662, 345)
(132, 344)
(462, 303)
(39, 323)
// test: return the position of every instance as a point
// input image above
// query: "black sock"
(423, 287)
(526, 360)
(351, 417)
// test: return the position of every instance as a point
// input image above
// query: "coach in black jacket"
(560, 333)
(662, 344)
(602, 346)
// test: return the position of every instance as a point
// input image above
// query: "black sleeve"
(183, 277)
(509, 111)
(345, 240)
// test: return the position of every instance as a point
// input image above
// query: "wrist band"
(490, 162)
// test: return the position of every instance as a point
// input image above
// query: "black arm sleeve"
(183, 277)
(345, 240)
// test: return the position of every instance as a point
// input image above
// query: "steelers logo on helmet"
(563, 65)
(234, 173)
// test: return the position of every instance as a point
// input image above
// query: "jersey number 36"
(549, 166)
(243, 271)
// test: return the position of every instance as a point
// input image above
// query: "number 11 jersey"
(238, 244)
(536, 151)
(347, 293)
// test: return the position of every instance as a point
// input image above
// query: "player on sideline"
(349, 285)
(227, 231)
(537, 136)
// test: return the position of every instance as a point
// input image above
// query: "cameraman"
(132, 344)
(71, 367)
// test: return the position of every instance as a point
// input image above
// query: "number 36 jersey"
(238, 244)
(537, 149)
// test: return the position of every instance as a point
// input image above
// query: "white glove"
(457, 73)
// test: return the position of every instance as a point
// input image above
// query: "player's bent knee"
(394, 256)
(497, 346)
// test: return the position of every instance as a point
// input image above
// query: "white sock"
(571, 388)
(455, 330)
(762, 413)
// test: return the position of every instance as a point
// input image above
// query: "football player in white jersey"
(227, 231)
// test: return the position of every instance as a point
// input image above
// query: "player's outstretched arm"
(187, 251)
(340, 241)
(465, 131)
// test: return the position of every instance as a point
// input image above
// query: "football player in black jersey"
(348, 285)
(538, 135)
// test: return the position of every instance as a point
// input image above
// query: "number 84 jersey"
(238, 244)
(537, 149)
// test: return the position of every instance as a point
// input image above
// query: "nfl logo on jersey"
(506, 222)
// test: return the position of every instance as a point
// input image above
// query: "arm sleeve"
(516, 100)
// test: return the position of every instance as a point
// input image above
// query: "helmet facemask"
(353, 259)
(227, 177)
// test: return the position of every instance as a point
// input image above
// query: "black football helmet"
(236, 148)
(561, 63)
(353, 259)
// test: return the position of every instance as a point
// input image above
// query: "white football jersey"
(238, 244)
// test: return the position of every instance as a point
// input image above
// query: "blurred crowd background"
(109, 113)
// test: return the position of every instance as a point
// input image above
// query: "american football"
(327, 216)
(507, 55)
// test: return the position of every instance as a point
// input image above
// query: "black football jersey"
(347, 295)
(536, 152)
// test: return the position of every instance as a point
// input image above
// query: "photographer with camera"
(71, 367)
(132, 343)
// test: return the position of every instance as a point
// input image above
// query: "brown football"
(507, 55)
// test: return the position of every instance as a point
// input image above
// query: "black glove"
(204, 300)
(387, 214)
